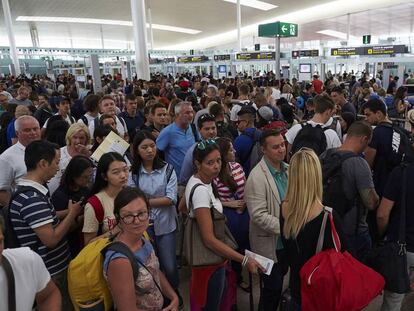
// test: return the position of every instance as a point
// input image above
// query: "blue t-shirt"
(243, 145)
(11, 132)
(175, 142)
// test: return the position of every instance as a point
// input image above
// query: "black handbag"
(389, 258)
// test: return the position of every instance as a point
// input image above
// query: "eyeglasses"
(129, 219)
(202, 145)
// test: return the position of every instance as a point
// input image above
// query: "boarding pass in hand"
(266, 263)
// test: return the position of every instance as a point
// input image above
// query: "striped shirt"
(225, 194)
(30, 210)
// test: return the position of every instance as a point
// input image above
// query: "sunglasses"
(206, 116)
(202, 145)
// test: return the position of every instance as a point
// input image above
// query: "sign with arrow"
(278, 29)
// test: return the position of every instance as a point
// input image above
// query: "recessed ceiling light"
(55, 19)
(334, 33)
(260, 5)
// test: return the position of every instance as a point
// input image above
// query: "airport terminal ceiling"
(207, 20)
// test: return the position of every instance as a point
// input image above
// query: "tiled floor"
(243, 302)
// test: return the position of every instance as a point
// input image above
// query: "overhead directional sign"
(222, 57)
(305, 53)
(278, 29)
(192, 59)
(256, 56)
(370, 50)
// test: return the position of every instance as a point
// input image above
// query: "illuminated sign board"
(256, 56)
(223, 57)
(192, 59)
(305, 53)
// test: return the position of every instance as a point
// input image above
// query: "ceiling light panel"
(260, 5)
(55, 19)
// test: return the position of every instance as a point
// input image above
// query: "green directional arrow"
(284, 29)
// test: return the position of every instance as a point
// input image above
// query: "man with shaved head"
(12, 165)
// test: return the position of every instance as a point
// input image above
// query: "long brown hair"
(225, 176)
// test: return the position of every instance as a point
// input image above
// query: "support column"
(139, 22)
(151, 34)
(15, 68)
(239, 42)
(96, 76)
(277, 57)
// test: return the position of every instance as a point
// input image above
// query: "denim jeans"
(165, 246)
(271, 290)
(215, 291)
(392, 301)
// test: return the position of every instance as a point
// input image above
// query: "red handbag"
(334, 280)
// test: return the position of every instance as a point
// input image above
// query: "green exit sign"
(278, 29)
(366, 39)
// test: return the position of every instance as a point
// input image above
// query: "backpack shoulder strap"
(85, 120)
(169, 171)
(97, 207)
(96, 122)
(120, 247)
(11, 295)
(123, 123)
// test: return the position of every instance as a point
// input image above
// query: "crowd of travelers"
(215, 168)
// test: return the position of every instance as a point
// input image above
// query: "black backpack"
(312, 137)
(10, 236)
(3, 140)
(402, 149)
(333, 190)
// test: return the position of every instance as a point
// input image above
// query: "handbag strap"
(152, 275)
(401, 231)
(334, 233)
(10, 283)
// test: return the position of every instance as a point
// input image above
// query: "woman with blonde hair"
(77, 143)
(301, 216)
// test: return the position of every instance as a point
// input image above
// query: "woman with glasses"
(230, 187)
(158, 181)
(132, 212)
(111, 176)
(74, 186)
(301, 217)
(208, 282)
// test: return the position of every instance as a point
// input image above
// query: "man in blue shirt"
(245, 142)
(208, 130)
(175, 139)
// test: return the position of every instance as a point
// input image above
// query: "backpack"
(87, 285)
(312, 137)
(256, 152)
(333, 191)
(402, 150)
(334, 280)
(168, 173)
(85, 120)
(10, 236)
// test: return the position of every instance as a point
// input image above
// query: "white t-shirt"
(202, 196)
(275, 93)
(12, 167)
(338, 126)
(120, 126)
(30, 275)
(236, 108)
(65, 158)
(91, 224)
(332, 139)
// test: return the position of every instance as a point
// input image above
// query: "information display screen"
(304, 68)
(370, 50)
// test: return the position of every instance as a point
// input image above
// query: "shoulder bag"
(195, 252)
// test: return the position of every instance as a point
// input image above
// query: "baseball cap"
(266, 113)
